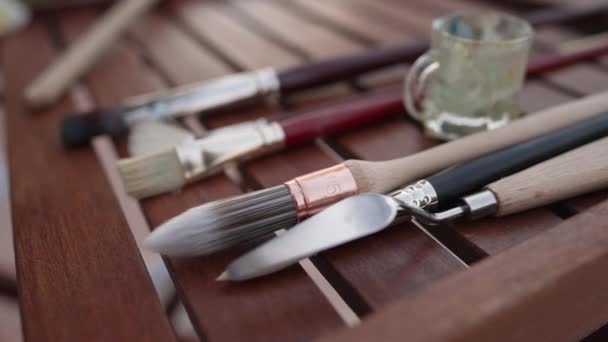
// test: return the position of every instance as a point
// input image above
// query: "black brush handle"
(477, 173)
(79, 129)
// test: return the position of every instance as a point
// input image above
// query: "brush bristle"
(152, 136)
(152, 174)
(79, 129)
(218, 225)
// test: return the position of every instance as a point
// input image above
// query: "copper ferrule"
(315, 191)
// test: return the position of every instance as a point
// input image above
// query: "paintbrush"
(217, 225)
(573, 173)
(167, 157)
(228, 91)
(171, 168)
(208, 97)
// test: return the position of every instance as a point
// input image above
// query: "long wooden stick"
(577, 172)
(384, 176)
(53, 82)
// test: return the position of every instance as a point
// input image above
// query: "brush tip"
(222, 224)
(79, 129)
(152, 174)
(223, 277)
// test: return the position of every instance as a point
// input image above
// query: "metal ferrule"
(205, 97)
(475, 206)
(232, 144)
(420, 195)
(315, 191)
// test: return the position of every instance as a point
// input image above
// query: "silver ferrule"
(481, 204)
(205, 97)
(475, 206)
(228, 145)
(420, 195)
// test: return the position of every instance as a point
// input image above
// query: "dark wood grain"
(215, 25)
(287, 308)
(370, 266)
(315, 41)
(80, 275)
(329, 13)
(161, 39)
(548, 288)
(187, 41)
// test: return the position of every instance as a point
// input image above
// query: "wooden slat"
(395, 139)
(314, 40)
(415, 22)
(355, 23)
(266, 309)
(80, 275)
(213, 24)
(199, 40)
(548, 288)
(157, 34)
(360, 265)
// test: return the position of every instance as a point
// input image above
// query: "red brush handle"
(350, 114)
(342, 116)
(542, 64)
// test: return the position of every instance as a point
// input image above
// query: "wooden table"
(82, 277)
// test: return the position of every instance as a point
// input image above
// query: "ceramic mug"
(470, 78)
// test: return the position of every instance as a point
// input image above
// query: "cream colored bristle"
(153, 136)
(152, 174)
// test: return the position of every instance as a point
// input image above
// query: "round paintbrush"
(228, 222)
(167, 169)
(209, 96)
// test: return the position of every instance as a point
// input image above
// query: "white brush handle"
(53, 82)
(382, 177)
(579, 171)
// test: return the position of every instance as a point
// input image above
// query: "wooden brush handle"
(579, 171)
(472, 175)
(347, 67)
(388, 175)
(342, 116)
(53, 82)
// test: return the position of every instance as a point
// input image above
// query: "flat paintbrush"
(164, 168)
(171, 168)
(217, 225)
(572, 173)
(210, 96)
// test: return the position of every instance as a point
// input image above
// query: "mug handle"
(416, 81)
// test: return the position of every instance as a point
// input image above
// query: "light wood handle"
(388, 175)
(573, 173)
(53, 82)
